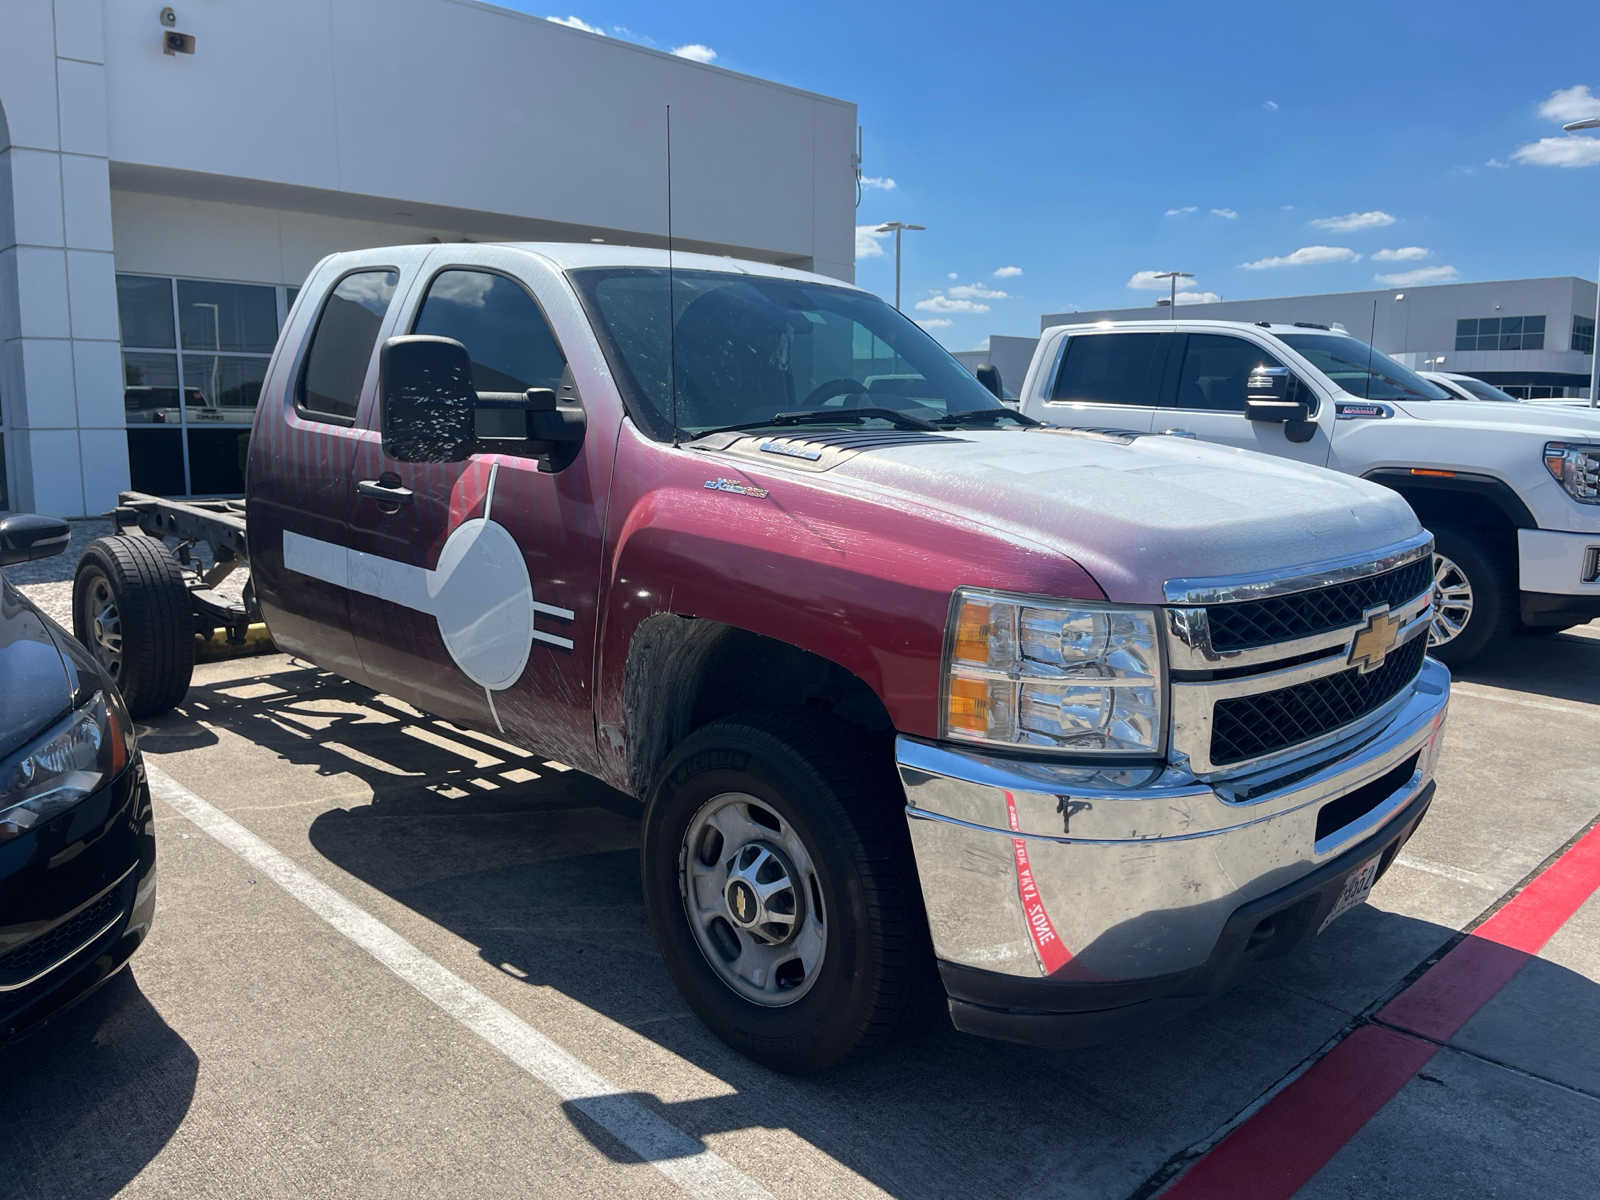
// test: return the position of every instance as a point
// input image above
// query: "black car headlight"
(70, 761)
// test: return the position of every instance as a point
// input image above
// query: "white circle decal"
(483, 600)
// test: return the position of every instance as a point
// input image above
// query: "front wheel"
(776, 869)
(131, 609)
(1474, 597)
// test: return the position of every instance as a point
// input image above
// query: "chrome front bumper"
(1032, 869)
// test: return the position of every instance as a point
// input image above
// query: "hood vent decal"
(821, 449)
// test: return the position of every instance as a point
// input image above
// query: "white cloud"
(1285, 208)
(1270, 105)
(952, 275)
(1005, 272)
(869, 242)
(1495, 162)
(696, 52)
(1306, 256)
(1182, 212)
(940, 303)
(878, 183)
(1418, 277)
(1401, 254)
(1198, 297)
(577, 23)
(935, 322)
(1570, 151)
(1352, 222)
(976, 291)
(1147, 281)
(1227, 214)
(1570, 104)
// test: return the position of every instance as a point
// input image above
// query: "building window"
(1583, 334)
(194, 355)
(1500, 333)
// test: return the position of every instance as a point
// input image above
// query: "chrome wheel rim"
(751, 895)
(1452, 601)
(103, 625)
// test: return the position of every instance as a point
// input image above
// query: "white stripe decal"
(494, 712)
(681, 1158)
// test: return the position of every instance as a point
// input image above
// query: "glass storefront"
(194, 355)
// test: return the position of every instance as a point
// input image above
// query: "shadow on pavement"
(91, 1097)
(1560, 666)
(538, 868)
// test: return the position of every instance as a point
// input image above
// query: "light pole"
(1172, 301)
(1594, 350)
(897, 228)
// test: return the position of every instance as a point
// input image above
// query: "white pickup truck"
(1511, 492)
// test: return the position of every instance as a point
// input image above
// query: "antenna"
(1371, 351)
(672, 309)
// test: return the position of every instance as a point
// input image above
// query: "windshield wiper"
(985, 416)
(825, 416)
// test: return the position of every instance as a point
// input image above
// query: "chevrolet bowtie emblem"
(1374, 640)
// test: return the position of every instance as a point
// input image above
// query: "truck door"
(301, 452)
(1208, 399)
(480, 579)
(1108, 380)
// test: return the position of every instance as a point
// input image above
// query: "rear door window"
(342, 345)
(1111, 368)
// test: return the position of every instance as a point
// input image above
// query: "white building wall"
(301, 127)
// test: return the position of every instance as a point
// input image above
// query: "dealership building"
(1533, 338)
(158, 210)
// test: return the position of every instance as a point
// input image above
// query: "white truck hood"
(1550, 422)
(1138, 511)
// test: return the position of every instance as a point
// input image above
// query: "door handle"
(384, 493)
(1177, 433)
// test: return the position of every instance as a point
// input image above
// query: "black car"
(77, 836)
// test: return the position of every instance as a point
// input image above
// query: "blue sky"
(1079, 145)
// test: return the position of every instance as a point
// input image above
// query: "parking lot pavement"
(391, 955)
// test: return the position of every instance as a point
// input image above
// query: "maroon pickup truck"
(1090, 720)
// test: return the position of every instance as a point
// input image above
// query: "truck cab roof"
(570, 256)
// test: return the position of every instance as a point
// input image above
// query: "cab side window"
(342, 343)
(506, 335)
(1110, 368)
(1216, 369)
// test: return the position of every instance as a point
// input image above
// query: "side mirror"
(26, 536)
(989, 375)
(1273, 394)
(426, 398)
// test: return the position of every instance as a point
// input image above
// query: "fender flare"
(1496, 491)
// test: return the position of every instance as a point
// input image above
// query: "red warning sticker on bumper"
(1047, 944)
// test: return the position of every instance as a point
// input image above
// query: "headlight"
(1023, 672)
(74, 758)
(1575, 468)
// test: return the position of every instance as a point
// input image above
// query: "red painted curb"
(1293, 1136)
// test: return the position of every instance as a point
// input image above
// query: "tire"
(1492, 596)
(146, 643)
(826, 787)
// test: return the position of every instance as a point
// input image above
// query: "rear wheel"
(1474, 597)
(131, 609)
(776, 869)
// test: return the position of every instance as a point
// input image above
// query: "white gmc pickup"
(1511, 492)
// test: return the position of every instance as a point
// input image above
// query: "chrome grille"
(1262, 667)
(1281, 618)
(1249, 727)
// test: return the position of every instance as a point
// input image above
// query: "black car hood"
(36, 684)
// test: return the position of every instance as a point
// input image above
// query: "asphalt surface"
(395, 958)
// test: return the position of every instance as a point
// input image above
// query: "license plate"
(1357, 885)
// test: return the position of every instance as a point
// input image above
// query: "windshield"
(750, 348)
(1346, 361)
(1484, 391)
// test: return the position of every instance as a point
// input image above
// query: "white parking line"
(681, 1158)
(1477, 693)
